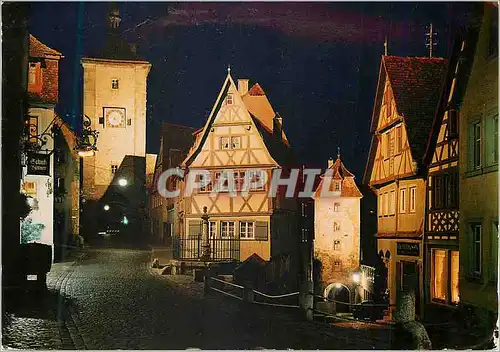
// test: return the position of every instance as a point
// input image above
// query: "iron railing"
(191, 248)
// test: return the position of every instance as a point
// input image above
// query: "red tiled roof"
(348, 187)
(38, 49)
(416, 84)
(256, 90)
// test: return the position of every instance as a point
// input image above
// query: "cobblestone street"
(109, 299)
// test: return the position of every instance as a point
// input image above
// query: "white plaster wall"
(44, 184)
(349, 219)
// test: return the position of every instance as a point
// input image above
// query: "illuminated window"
(402, 200)
(337, 265)
(336, 185)
(439, 275)
(336, 245)
(224, 143)
(114, 83)
(29, 188)
(114, 169)
(336, 207)
(204, 181)
(392, 203)
(399, 139)
(235, 142)
(455, 267)
(32, 128)
(212, 227)
(445, 276)
(247, 229)
(227, 229)
(257, 176)
(239, 179)
(413, 198)
(336, 226)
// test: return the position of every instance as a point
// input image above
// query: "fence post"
(306, 300)
(248, 295)
(207, 281)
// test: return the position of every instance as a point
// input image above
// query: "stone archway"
(338, 292)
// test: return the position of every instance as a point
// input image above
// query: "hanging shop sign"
(38, 164)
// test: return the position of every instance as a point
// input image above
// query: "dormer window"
(336, 185)
(114, 83)
(229, 99)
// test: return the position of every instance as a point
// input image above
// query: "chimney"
(243, 86)
(330, 162)
(278, 126)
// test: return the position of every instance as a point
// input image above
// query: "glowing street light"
(356, 278)
(106, 207)
(122, 182)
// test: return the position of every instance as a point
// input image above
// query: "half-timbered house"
(407, 96)
(242, 133)
(441, 244)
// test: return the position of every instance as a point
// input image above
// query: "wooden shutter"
(261, 231)
(194, 230)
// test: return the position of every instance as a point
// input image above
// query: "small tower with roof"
(337, 232)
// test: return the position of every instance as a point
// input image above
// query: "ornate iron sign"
(38, 164)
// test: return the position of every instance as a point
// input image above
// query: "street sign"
(408, 248)
(38, 164)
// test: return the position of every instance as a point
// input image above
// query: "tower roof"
(339, 173)
(38, 49)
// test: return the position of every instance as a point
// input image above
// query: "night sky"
(317, 62)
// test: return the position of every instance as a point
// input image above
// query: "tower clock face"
(115, 117)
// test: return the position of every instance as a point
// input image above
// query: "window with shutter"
(261, 231)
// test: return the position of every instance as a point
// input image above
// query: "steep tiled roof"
(38, 49)
(262, 114)
(260, 108)
(340, 172)
(416, 84)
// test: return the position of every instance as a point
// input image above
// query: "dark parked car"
(368, 310)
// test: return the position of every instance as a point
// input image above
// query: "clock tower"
(114, 98)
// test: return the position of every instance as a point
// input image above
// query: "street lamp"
(122, 182)
(356, 278)
(106, 207)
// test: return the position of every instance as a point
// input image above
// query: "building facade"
(114, 98)
(337, 230)
(66, 188)
(175, 143)
(441, 243)
(407, 97)
(242, 134)
(38, 169)
(478, 153)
